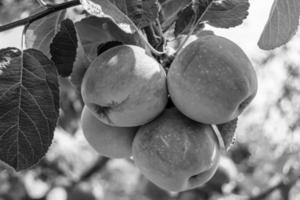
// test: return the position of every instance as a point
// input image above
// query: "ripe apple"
(212, 80)
(175, 152)
(113, 142)
(125, 87)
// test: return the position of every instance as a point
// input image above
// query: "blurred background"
(263, 164)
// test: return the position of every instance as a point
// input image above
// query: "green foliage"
(277, 31)
(40, 33)
(63, 48)
(29, 98)
(29, 106)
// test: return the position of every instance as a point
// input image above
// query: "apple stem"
(219, 137)
(152, 49)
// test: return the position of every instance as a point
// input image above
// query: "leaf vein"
(36, 103)
(36, 128)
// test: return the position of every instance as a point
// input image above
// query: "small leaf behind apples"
(94, 31)
(142, 12)
(80, 66)
(282, 24)
(227, 131)
(29, 103)
(185, 19)
(170, 8)
(40, 33)
(63, 48)
(121, 4)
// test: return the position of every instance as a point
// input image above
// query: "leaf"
(169, 8)
(142, 12)
(227, 13)
(221, 14)
(184, 22)
(40, 33)
(29, 103)
(227, 131)
(104, 8)
(94, 31)
(63, 48)
(121, 4)
(282, 24)
(80, 66)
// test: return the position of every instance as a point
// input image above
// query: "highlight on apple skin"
(113, 142)
(212, 80)
(175, 152)
(125, 87)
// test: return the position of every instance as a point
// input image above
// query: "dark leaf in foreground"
(29, 103)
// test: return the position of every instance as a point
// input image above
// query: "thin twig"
(39, 15)
(95, 168)
(282, 184)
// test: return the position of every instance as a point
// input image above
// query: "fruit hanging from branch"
(212, 80)
(125, 87)
(113, 142)
(175, 152)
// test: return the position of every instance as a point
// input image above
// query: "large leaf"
(227, 13)
(282, 24)
(222, 14)
(104, 8)
(41, 32)
(63, 48)
(94, 31)
(29, 103)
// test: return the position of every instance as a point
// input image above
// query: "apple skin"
(113, 142)
(125, 87)
(212, 80)
(175, 152)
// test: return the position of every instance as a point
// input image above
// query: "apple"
(125, 87)
(175, 152)
(212, 80)
(113, 142)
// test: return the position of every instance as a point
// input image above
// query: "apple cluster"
(126, 91)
